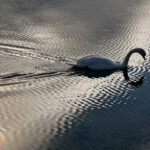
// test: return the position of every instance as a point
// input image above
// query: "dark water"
(44, 104)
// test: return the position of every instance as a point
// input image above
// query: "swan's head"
(140, 51)
(136, 50)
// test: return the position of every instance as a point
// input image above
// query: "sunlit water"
(46, 105)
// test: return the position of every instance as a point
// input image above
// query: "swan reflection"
(135, 83)
(98, 74)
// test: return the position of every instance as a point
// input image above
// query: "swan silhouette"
(99, 62)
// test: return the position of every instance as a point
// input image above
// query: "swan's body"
(99, 62)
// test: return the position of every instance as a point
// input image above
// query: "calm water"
(46, 105)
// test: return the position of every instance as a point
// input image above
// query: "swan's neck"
(126, 60)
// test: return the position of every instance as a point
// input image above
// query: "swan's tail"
(70, 64)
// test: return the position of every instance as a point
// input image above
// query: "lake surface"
(47, 105)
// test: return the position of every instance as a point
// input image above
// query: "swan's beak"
(144, 57)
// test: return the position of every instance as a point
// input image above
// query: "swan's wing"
(96, 62)
(102, 64)
(91, 57)
(95, 59)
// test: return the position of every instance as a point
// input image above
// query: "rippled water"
(47, 105)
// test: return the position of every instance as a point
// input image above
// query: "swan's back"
(96, 62)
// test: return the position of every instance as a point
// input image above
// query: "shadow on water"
(103, 74)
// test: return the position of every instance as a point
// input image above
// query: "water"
(46, 105)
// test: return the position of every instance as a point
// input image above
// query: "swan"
(99, 62)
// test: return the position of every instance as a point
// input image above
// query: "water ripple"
(42, 100)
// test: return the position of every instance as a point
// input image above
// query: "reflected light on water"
(2, 141)
(41, 105)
